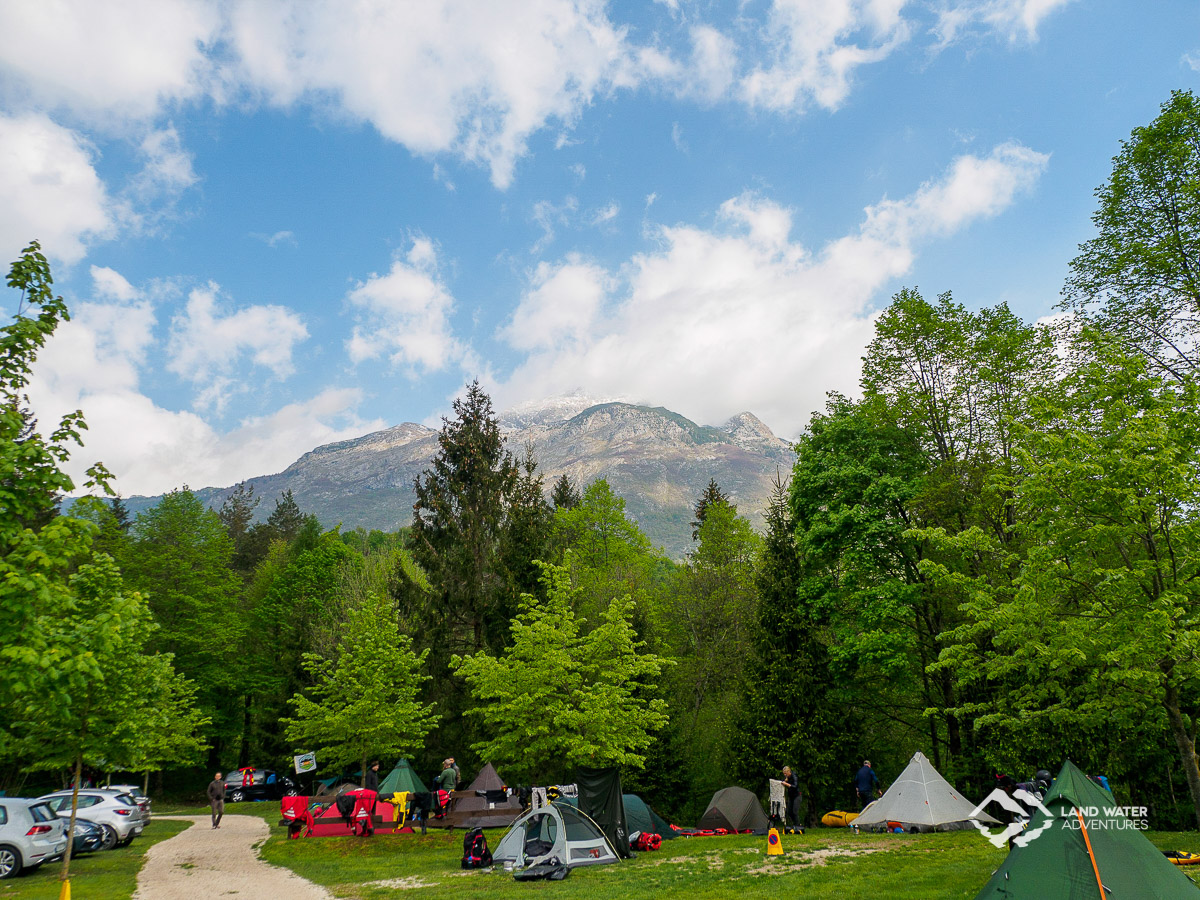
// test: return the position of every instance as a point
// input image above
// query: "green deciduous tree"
(365, 701)
(1139, 278)
(558, 697)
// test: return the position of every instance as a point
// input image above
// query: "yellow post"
(774, 845)
(65, 892)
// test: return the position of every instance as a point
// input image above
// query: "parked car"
(135, 792)
(89, 836)
(30, 834)
(263, 784)
(117, 813)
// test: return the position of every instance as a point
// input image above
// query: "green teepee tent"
(1058, 864)
(402, 778)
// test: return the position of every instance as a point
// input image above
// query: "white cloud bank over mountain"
(713, 317)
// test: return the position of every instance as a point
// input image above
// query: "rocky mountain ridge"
(658, 460)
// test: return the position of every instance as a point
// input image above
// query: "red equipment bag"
(364, 809)
(647, 841)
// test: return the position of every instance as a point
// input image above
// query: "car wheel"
(291, 792)
(127, 841)
(237, 796)
(10, 861)
(109, 840)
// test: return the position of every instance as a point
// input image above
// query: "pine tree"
(711, 496)
(286, 519)
(789, 714)
(565, 495)
(237, 512)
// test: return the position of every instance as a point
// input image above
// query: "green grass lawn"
(822, 863)
(110, 875)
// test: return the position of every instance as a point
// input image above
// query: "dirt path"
(216, 862)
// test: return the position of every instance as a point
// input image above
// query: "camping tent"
(402, 778)
(922, 800)
(735, 809)
(557, 830)
(468, 810)
(640, 817)
(600, 799)
(1059, 864)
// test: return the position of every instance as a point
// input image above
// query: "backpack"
(476, 854)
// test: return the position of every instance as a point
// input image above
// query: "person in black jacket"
(216, 799)
(371, 782)
(792, 788)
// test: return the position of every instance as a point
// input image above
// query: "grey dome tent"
(922, 800)
(557, 831)
(735, 809)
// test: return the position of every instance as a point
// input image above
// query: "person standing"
(448, 779)
(791, 785)
(457, 774)
(371, 780)
(866, 783)
(216, 799)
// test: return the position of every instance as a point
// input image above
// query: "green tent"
(640, 817)
(402, 778)
(1056, 864)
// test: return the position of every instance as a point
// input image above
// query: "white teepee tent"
(922, 800)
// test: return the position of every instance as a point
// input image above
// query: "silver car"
(30, 834)
(117, 813)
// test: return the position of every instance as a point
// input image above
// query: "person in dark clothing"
(216, 799)
(792, 794)
(371, 780)
(866, 783)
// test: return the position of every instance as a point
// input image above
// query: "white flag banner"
(305, 762)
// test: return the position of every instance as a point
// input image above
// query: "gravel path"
(215, 862)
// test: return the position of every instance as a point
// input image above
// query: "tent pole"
(1088, 841)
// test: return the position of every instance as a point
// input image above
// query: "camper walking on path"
(216, 799)
(866, 783)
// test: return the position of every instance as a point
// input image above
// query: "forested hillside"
(988, 551)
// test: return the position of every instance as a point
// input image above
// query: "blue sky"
(284, 223)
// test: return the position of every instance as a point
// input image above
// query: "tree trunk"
(66, 866)
(1186, 745)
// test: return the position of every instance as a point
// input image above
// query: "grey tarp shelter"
(1057, 864)
(557, 831)
(922, 800)
(735, 809)
(470, 811)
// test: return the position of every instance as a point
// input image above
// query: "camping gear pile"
(296, 816)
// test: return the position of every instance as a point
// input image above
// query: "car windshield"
(42, 812)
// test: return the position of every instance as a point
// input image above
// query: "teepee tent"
(482, 804)
(735, 809)
(922, 800)
(1101, 856)
(402, 778)
(557, 831)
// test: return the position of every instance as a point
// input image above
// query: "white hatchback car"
(30, 834)
(119, 814)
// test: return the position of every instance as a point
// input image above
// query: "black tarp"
(600, 798)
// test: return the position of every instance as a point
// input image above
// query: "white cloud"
(472, 78)
(94, 363)
(106, 63)
(560, 306)
(168, 167)
(208, 345)
(405, 314)
(549, 217)
(607, 214)
(274, 240)
(816, 46)
(1192, 61)
(714, 317)
(49, 190)
(1011, 19)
